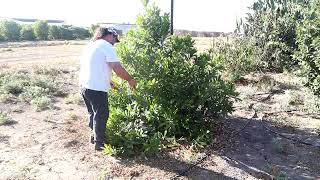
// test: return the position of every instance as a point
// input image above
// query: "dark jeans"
(98, 109)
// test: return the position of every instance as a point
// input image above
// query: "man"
(96, 64)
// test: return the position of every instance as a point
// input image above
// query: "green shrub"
(27, 86)
(80, 33)
(54, 33)
(178, 95)
(66, 33)
(10, 30)
(13, 83)
(308, 53)
(5, 97)
(237, 56)
(45, 82)
(5, 119)
(272, 27)
(41, 29)
(27, 33)
(41, 103)
(32, 92)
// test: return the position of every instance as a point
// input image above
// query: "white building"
(121, 27)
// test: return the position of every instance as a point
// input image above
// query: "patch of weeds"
(266, 83)
(24, 172)
(46, 83)
(295, 99)
(15, 86)
(109, 150)
(5, 97)
(5, 119)
(13, 83)
(260, 107)
(247, 92)
(32, 92)
(311, 102)
(48, 71)
(282, 102)
(74, 99)
(73, 117)
(42, 103)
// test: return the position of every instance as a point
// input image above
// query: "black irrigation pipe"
(191, 166)
(254, 117)
(289, 138)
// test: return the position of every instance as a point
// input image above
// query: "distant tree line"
(41, 30)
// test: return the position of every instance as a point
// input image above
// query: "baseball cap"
(114, 32)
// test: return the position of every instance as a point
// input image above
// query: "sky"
(198, 15)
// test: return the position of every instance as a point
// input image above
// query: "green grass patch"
(5, 119)
(42, 103)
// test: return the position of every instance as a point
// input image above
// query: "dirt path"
(42, 53)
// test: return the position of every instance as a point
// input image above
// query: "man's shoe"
(98, 147)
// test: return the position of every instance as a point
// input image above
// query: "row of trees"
(41, 30)
(277, 36)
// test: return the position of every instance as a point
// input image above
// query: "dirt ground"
(54, 144)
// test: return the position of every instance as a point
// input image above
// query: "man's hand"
(132, 83)
(122, 73)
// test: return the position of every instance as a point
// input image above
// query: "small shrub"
(15, 86)
(311, 102)
(74, 99)
(109, 150)
(46, 83)
(41, 103)
(33, 92)
(5, 119)
(5, 97)
(295, 99)
(13, 83)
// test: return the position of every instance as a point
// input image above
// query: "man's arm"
(122, 73)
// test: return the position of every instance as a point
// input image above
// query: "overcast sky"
(204, 15)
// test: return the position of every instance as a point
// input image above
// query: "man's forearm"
(121, 72)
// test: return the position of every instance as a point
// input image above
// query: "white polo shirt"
(95, 73)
